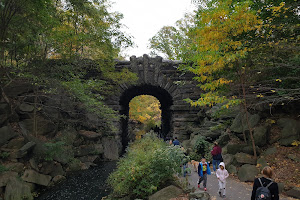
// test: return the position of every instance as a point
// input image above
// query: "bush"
(201, 149)
(148, 165)
(3, 169)
(53, 149)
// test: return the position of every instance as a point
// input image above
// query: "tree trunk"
(247, 120)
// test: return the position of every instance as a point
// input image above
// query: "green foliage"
(173, 41)
(52, 150)
(222, 126)
(149, 163)
(59, 29)
(4, 155)
(201, 149)
(3, 169)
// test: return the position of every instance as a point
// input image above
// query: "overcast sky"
(144, 18)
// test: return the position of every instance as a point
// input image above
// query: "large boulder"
(85, 150)
(231, 169)
(227, 159)
(167, 193)
(223, 139)
(14, 166)
(17, 88)
(240, 120)
(65, 156)
(4, 113)
(247, 173)
(5, 176)
(260, 135)
(290, 131)
(211, 135)
(32, 176)
(43, 126)
(235, 148)
(244, 158)
(91, 135)
(26, 108)
(111, 148)
(294, 192)
(200, 195)
(26, 148)
(6, 133)
(52, 168)
(16, 143)
(261, 162)
(249, 150)
(270, 151)
(68, 135)
(17, 190)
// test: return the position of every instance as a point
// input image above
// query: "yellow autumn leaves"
(144, 108)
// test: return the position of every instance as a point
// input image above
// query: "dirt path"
(235, 190)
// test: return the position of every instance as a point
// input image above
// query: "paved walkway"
(235, 190)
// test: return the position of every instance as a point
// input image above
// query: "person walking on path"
(261, 184)
(217, 156)
(203, 171)
(222, 174)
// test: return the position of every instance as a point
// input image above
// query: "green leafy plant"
(53, 149)
(201, 149)
(3, 169)
(4, 155)
(148, 165)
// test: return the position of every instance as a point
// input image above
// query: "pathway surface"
(235, 190)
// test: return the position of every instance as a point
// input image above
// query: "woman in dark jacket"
(266, 180)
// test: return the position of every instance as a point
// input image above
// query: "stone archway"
(161, 94)
(161, 79)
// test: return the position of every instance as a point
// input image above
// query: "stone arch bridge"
(161, 79)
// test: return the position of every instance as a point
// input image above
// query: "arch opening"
(163, 97)
(144, 115)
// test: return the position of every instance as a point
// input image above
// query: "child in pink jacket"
(222, 174)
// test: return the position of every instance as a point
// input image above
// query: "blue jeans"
(184, 171)
(216, 164)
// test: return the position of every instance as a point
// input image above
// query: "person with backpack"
(217, 156)
(264, 188)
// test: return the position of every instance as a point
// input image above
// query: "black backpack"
(263, 193)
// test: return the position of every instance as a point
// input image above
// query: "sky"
(144, 18)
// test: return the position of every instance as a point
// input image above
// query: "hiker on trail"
(176, 142)
(217, 156)
(265, 187)
(222, 174)
(203, 171)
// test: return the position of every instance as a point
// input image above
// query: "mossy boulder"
(260, 135)
(167, 193)
(244, 158)
(247, 173)
(235, 148)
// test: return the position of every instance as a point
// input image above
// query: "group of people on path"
(264, 188)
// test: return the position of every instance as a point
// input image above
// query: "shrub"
(3, 169)
(201, 149)
(53, 149)
(148, 165)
